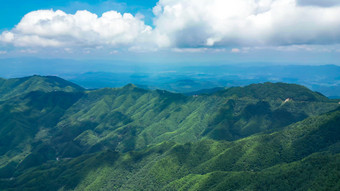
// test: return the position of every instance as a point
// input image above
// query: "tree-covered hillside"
(19, 86)
(54, 135)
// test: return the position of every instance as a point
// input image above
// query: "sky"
(173, 31)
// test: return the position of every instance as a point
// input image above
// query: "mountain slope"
(134, 139)
(272, 91)
(26, 121)
(18, 86)
(277, 161)
(132, 118)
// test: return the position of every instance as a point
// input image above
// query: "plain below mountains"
(55, 135)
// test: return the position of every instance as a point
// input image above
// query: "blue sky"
(12, 11)
(173, 31)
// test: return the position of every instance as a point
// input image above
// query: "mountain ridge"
(15, 86)
(210, 160)
(266, 90)
(155, 139)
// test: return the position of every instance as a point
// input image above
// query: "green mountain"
(273, 91)
(19, 86)
(270, 136)
(284, 160)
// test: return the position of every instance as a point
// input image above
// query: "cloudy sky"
(219, 31)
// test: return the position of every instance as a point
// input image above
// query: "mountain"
(25, 120)
(272, 91)
(186, 79)
(180, 78)
(204, 91)
(284, 160)
(54, 135)
(18, 86)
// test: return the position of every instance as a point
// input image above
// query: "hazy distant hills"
(55, 135)
(324, 79)
(180, 78)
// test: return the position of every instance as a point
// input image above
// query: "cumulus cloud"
(215, 23)
(185, 25)
(48, 28)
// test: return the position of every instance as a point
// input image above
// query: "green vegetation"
(272, 91)
(259, 137)
(19, 86)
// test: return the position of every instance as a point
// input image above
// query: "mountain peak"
(16, 86)
(130, 86)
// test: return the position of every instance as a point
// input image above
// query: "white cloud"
(69, 50)
(7, 37)
(114, 52)
(294, 48)
(185, 25)
(3, 52)
(215, 23)
(190, 50)
(235, 50)
(48, 28)
(142, 49)
(29, 51)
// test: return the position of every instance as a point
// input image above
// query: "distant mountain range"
(179, 78)
(56, 135)
(324, 79)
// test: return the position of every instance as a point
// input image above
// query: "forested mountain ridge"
(60, 136)
(19, 86)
